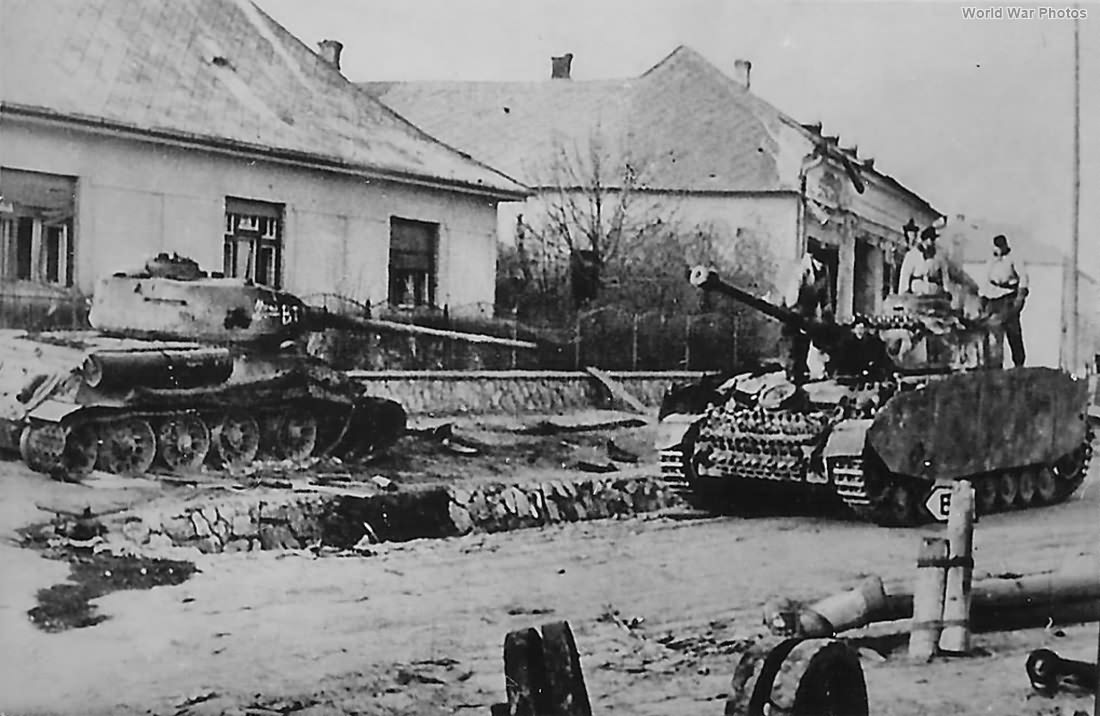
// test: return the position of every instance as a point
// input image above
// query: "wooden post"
(955, 638)
(924, 632)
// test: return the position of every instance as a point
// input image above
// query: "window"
(36, 227)
(413, 272)
(253, 247)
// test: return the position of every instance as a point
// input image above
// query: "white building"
(724, 157)
(203, 127)
(1047, 314)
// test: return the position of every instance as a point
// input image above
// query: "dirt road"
(417, 627)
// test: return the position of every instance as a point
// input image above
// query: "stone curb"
(239, 523)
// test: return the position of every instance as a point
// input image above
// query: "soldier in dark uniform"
(810, 296)
(861, 354)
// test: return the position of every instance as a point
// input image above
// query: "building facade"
(713, 151)
(260, 161)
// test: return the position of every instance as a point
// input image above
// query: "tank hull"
(1021, 436)
(74, 401)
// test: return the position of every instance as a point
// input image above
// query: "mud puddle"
(93, 571)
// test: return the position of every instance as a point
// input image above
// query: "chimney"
(741, 71)
(330, 52)
(561, 66)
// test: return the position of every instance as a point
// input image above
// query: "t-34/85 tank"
(934, 410)
(182, 366)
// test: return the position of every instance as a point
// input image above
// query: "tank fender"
(53, 411)
(847, 438)
(672, 429)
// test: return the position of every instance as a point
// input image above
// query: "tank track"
(131, 441)
(869, 491)
(873, 494)
(758, 445)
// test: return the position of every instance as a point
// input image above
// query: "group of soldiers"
(925, 271)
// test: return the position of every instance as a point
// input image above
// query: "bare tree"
(594, 209)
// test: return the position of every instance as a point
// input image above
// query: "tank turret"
(877, 445)
(171, 299)
(922, 333)
(185, 367)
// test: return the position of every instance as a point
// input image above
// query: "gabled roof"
(700, 130)
(218, 73)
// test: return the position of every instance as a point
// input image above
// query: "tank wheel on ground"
(1046, 487)
(235, 440)
(1025, 496)
(42, 446)
(271, 428)
(127, 447)
(901, 506)
(1008, 489)
(183, 442)
(985, 494)
(81, 450)
(297, 435)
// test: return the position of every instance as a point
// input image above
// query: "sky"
(974, 115)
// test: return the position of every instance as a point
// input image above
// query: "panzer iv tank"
(878, 442)
(181, 368)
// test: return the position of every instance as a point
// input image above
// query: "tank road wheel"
(297, 435)
(1008, 489)
(985, 495)
(235, 440)
(42, 446)
(81, 450)
(1025, 496)
(127, 447)
(183, 442)
(271, 427)
(901, 507)
(1046, 488)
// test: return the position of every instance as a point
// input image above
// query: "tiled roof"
(695, 128)
(699, 129)
(216, 72)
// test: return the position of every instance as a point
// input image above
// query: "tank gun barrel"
(708, 279)
(320, 319)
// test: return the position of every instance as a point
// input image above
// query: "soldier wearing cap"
(810, 296)
(1004, 294)
(923, 270)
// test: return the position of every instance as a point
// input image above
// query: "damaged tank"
(876, 442)
(181, 367)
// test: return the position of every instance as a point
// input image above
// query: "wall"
(136, 199)
(516, 392)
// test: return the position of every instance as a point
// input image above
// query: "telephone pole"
(1075, 337)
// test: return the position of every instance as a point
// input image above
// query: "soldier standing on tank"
(810, 297)
(1004, 294)
(923, 270)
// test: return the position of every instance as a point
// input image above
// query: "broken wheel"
(183, 442)
(127, 447)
